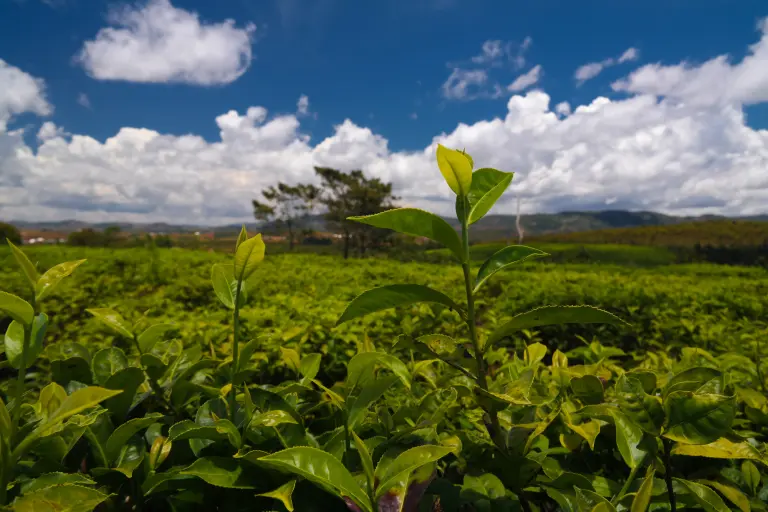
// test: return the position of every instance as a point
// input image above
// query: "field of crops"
(164, 379)
(295, 300)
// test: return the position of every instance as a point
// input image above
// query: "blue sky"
(384, 69)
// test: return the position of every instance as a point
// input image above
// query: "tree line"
(340, 195)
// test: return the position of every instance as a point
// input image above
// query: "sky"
(182, 111)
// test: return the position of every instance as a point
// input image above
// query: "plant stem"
(20, 378)
(630, 479)
(482, 380)
(668, 473)
(235, 351)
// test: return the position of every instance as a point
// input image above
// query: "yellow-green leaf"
(51, 279)
(697, 419)
(504, 258)
(731, 493)
(224, 472)
(708, 499)
(554, 315)
(283, 494)
(17, 308)
(26, 266)
(60, 498)
(643, 497)
(248, 256)
(456, 169)
(113, 320)
(319, 467)
(412, 221)
(723, 448)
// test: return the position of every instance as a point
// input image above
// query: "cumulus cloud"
(20, 92)
(714, 82)
(667, 151)
(157, 42)
(526, 80)
(592, 69)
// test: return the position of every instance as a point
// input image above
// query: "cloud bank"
(674, 140)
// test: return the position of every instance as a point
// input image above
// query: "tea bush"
(439, 404)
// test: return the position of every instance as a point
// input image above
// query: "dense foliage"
(171, 380)
(728, 233)
(9, 232)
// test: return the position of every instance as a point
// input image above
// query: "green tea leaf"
(152, 335)
(691, 379)
(61, 498)
(628, 438)
(554, 315)
(283, 494)
(708, 499)
(107, 362)
(644, 494)
(130, 456)
(733, 494)
(113, 320)
(242, 237)
(643, 409)
(697, 419)
(488, 185)
(219, 471)
(124, 432)
(51, 479)
(77, 402)
(321, 468)
(272, 419)
(391, 296)
(412, 221)
(360, 369)
(405, 463)
(51, 279)
(248, 256)
(368, 395)
(487, 485)
(26, 266)
(751, 476)
(456, 169)
(127, 380)
(225, 284)
(365, 459)
(17, 308)
(504, 258)
(309, 366)
(534, 353)
(723, 448)
(588, 389)
(14, 341)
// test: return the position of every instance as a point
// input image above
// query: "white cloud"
(592, 69)
(157, 42)
(49, 130)
(496, 52)
(465, 84)
(676, 154)
(302, 106)
(20, 92)
(414, 116)
(629, 55)
(714, 82)
(83, 100)
(526, 80)
(563, 108)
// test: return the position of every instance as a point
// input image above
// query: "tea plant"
(169, 419)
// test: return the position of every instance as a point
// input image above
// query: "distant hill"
(719, 232)
(490, 228)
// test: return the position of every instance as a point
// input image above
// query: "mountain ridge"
(491, 227)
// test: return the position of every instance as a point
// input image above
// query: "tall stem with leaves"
(476, 193)
(229, 284)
